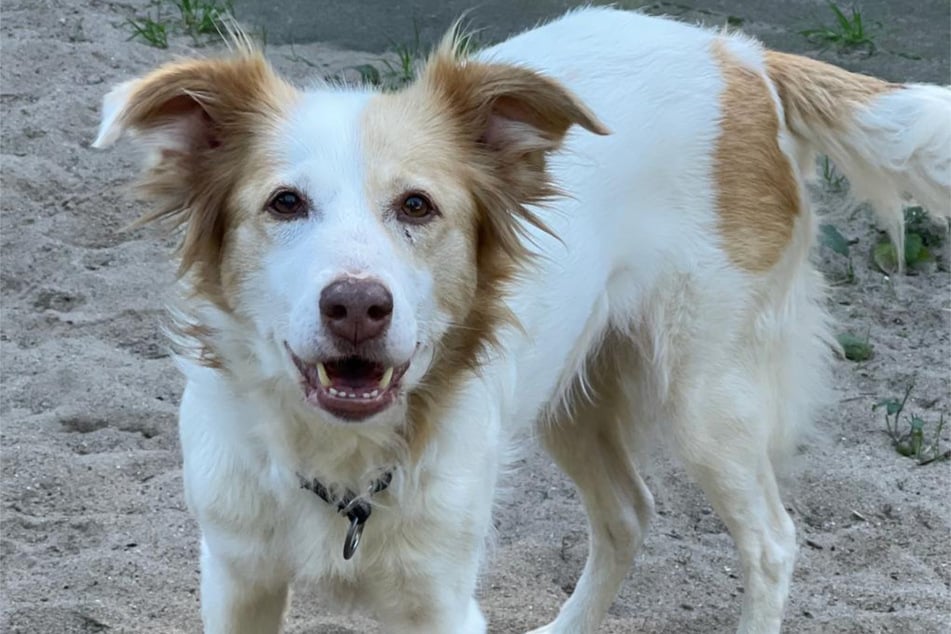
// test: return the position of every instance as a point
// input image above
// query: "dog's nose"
(356, 309)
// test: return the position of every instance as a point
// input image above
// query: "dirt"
(95, 536)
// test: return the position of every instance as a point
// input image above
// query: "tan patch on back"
(757, 191)
(815, 93)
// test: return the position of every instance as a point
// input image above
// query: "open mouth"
(351, 388)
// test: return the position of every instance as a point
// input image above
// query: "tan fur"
(477, 134)
(221, 109)
(593, 437)
(206, 122)
(818, 94)
(757, 191)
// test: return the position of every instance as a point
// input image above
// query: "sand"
(95, 535)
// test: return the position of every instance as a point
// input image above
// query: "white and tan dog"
(596, 226)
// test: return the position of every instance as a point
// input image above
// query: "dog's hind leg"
(723, 435)
(590, 442)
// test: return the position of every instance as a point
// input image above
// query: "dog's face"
(360, 238)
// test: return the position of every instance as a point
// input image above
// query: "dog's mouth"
(352, 388)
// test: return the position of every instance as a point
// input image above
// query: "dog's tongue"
(354, 373)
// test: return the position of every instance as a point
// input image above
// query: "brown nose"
(355, 309)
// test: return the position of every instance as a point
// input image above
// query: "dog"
(596, 227)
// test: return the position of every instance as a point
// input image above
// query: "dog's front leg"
(462, 617)
(427, 582)
(234, 600)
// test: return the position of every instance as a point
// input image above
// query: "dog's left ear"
(509, 118)
(511, 110)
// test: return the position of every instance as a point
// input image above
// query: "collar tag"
(352, 540)
(355, 508)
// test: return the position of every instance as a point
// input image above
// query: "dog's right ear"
(199, 123)
(194, 105)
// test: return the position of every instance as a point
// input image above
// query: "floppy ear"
(511, 118)
(192, 105)
(198, 122)
(512, 110)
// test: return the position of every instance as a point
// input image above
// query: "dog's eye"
(416, 208)
(286, 204)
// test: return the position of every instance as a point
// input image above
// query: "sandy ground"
(95, 534)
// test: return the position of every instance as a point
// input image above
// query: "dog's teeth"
(374, 393)
(387, 378)
(366, 395)
(322, 375)
(334, 392)
(352, 395)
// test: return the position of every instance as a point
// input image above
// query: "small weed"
(834, 181)
(407, 55)
(912, 441)
(196, 18)
(369, 74)
(201, 17)
(848, 31)
(922, 240)
(399, 69)
(830, 238)
(855, 348)
(152, 30)
(391, 74)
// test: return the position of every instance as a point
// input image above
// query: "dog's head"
(362, 238)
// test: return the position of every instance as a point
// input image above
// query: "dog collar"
(356, 508)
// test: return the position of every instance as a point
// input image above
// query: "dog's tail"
(890, 140)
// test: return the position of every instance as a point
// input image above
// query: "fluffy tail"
(890, 140)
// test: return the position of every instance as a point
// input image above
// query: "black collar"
(355, 507)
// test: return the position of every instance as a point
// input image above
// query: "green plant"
(830, 238)
(399, 69)
(152, 30)
(392, 74)
(196, 18)
(855, 348)
(201, 17)
(834, 181)
(912, 441)
(847, 31)
(922, 239)
(403, 71)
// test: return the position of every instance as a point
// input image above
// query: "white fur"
(730, 364)
(896, 147)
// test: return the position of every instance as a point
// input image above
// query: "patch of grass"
(199, 19)
(846, 31)
(909, 436)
